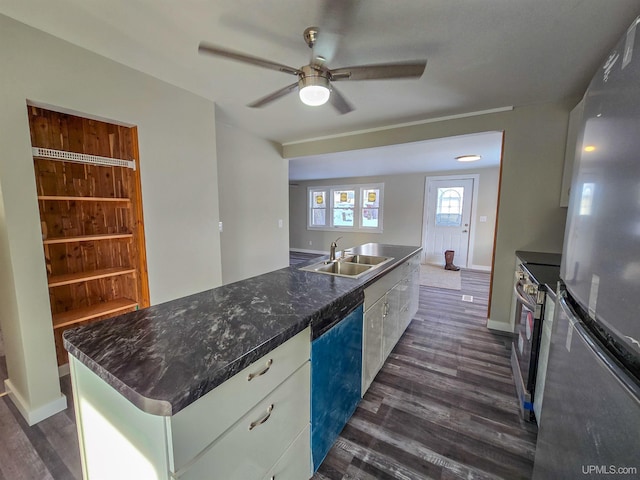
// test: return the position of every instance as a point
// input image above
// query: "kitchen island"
(179, 368)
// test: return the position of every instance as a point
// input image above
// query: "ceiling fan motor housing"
(311, 76)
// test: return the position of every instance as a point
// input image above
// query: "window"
(318, 201)
(449, 208)
(356, 208)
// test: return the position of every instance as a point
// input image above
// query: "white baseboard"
(499, 326)
(303, 250)
(33, 416)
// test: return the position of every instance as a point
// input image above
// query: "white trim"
(68, 111)
(474, 202)
(402, 125)
(33, 416)
(499, 326)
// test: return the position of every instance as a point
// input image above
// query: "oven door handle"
(521, 297)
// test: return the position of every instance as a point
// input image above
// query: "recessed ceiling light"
(589, 148)
(468, 158)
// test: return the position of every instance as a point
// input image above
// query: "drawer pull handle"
(251, 376)
(263, 419)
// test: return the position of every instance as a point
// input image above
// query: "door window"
(449, 207)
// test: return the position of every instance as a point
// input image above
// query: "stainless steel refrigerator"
(590, 422)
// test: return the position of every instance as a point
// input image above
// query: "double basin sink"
(353, 266)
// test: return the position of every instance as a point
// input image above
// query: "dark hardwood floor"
(47, 450)
(443, 406)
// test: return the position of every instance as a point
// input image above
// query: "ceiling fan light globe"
(314, 95)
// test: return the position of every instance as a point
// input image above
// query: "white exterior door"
(448, 219)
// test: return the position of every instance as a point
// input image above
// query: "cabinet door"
(372, 355)
(414, 292)
(390, 325)
(295, 464)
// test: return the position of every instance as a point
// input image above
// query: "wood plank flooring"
(47, 450)
(443, 406)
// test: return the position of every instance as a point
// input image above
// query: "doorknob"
(465, 231)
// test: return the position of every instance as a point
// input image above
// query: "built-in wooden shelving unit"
(72, 317)
(69, 278)
(89, 194)
(87, 238)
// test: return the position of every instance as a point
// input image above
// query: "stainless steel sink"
(366, 259)
(344, 268)
(353, 266)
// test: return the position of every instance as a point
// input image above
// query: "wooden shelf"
(69, 278)
(87, 238)
(83, 199)
(71, 317)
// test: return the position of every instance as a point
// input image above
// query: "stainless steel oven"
(530, 297)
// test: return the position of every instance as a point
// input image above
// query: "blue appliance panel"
(336, 381)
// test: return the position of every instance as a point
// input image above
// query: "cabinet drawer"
(195, 427)
(295, 464)
(246, 452)
(376, 291)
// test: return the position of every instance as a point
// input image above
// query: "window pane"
(371, 198)
(370, 217)
(342, 217)
(343, 206)
(319, 217)
(318, 199)
(318, 208)
(344, 198)
(449, 209)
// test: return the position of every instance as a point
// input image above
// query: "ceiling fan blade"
(413, 69)
(241, 57)
(274, 96)
(335, 18)
(339, 102)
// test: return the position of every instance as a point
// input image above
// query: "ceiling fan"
(315, 80)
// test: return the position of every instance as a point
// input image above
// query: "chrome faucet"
(332, 251)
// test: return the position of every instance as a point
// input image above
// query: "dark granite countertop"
(165, 357)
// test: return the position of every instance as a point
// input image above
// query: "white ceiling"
(416, 157)
(481, 54)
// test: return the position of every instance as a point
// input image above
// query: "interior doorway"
(448, 222)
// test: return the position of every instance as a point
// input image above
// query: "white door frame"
(474, 201)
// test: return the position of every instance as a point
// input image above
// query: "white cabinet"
(256, 442)
(372, 354)
(390, 304)
(211, 438)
